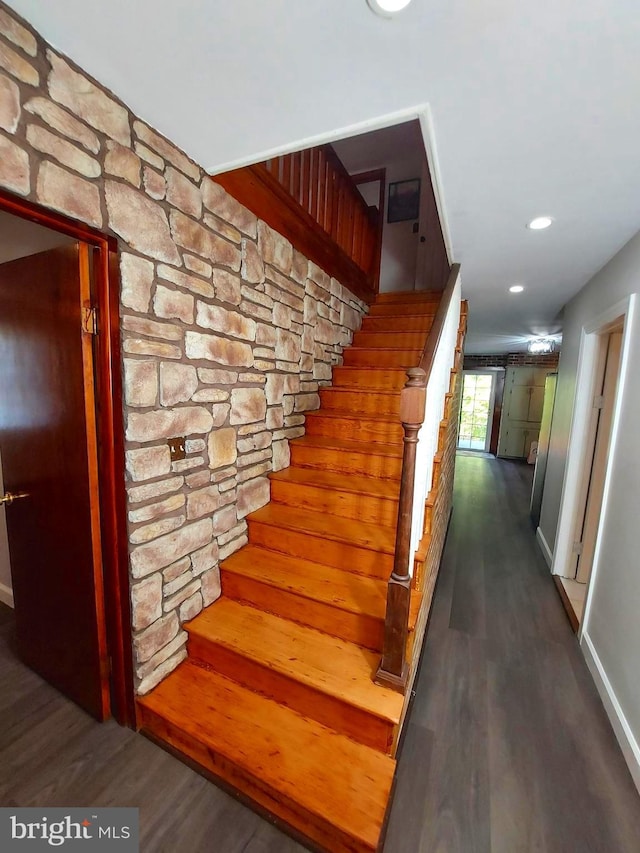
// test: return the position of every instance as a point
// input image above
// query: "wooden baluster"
(393, 670)
(322, 187)
(286, 172)
(296, 185)
(335, 203)
(359, 226)
(306, 179)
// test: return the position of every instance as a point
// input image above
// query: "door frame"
(109, 420)
(479, 371)
(582, 433)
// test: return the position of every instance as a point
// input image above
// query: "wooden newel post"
(393, 670)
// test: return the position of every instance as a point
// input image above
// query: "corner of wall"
(623, 732)
(547, 553)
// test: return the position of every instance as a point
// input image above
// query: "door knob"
(9, 498)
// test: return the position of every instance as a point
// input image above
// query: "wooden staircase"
(276, 698)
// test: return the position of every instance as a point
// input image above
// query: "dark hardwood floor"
(508, 748)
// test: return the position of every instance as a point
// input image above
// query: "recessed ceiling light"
(388, 8)
(540, 223)
(516, 288)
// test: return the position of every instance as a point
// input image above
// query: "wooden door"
(585, 544)
(49, 453)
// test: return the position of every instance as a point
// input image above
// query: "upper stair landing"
(277, 697)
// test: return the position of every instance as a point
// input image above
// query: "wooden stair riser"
(391, 379)
(360, 507)
(409, 323)
(361, 401)
(357, 429)
(408, 340)
(357, 628)
(371, 464)
(371, 357)
(425, 309)
(317, 549)
(411, 297)
(329, 710)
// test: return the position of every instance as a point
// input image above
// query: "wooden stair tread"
(353, 483)
(358, 389)
(368, 449)
(358, 533)
(385, 349)
(343, 415)
(349, 367)
(357, 594)
(298, 768)
(326, 663)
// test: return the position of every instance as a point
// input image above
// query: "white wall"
(399, 243)
(611, 635)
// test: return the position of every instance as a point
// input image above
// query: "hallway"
(508, 748)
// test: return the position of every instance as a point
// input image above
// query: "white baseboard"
(544, 547)
(6, 595)
(622, 729)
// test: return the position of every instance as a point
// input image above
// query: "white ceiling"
(534, 106)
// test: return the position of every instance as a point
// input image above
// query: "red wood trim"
(258, 190)
(111, 445)
(91, 398)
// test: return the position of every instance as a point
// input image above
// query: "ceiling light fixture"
(540, 223)
(388, 8)
(541, 346)
(516, 288)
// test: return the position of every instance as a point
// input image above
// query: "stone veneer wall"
(227, 330)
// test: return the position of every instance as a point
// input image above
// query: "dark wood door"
(48, 450)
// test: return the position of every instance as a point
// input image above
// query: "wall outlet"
(177, 448)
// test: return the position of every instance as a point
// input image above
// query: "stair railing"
(429, 382)
(311, 199)
(321, 185)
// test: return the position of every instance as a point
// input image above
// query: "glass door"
(476, 411)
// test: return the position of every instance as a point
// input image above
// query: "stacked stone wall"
(227, 331)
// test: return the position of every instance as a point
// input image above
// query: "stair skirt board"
(276, 700)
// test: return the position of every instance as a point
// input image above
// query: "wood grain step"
(409, 340)
(335, 601)
(365, 549)
(323, 784)
(400, 323)
(361, 498)
(378, 357)
(361, 400)
(398, 310)
(373, 378)
(347, 457)
(332, 423)
(321, 677)
(408, 296)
